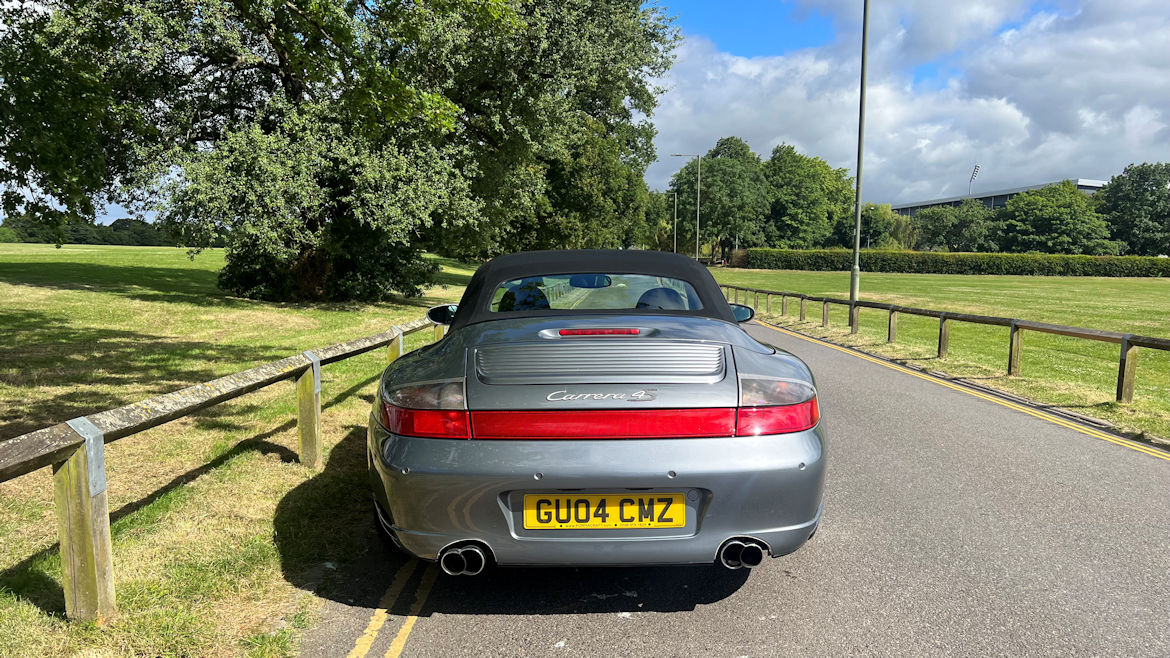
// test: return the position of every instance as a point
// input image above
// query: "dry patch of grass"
(207, 512)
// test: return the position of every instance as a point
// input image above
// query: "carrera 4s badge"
(646, 395)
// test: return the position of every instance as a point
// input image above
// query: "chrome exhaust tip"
(752, 555)
(731, 554)
(474, 561)
(742, 553)
(465, 560)
(452, 562)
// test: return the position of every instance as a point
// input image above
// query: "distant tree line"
(125, 231)
(796, 201)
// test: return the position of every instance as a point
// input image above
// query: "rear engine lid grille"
(601, 361)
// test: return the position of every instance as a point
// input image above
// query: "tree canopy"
(1136, 203)
(812, 203)
(330, 141)
(790, 200)
(969, 226)
(1056, 219)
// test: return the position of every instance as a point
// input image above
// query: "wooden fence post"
(309, 412)
(854, 318)
(825, 314)
(783, 304)
(756, 304)
(397, 346)
(1014, 349)
(1126, 369)
(768, 303)
(892, 327)
(83, 525)
(802, 300)
(944, 336)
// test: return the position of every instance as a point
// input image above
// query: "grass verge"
(211, 556)
(1073, 374)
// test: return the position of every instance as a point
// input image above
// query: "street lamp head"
(684, 155)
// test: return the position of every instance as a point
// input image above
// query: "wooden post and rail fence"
(1127, 361)
(76, 451)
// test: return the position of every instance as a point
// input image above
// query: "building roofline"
(1080, 182)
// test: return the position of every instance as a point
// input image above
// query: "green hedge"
(928, 262)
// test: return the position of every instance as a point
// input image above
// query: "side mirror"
(443, 314)
(742, 313)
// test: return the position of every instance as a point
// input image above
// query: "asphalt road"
(953, 525)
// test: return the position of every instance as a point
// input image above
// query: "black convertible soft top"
(476, 303)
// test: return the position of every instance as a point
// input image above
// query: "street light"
(675, 222)
(855, 274)
(698, 185)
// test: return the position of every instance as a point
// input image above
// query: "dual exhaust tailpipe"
(466, 560)
(741, 553)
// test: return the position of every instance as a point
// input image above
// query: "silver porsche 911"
(596, 408)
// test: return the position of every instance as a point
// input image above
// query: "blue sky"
(752, 27)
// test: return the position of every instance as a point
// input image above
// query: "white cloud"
(1078, 92)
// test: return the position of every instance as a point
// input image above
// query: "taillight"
(431, 410)
(775, 406)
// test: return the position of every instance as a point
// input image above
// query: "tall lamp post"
(676, 222)
(855, 274)
(698, 185)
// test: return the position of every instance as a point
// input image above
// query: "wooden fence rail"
(1127, 360)
(76, 451)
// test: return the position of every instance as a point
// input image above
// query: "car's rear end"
(598, 440)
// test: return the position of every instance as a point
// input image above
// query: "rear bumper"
(436, 492)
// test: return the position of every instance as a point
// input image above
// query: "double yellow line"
(1036, 413)
(365, 642)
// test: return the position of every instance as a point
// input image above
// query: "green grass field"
(195, 504)
(1079, 375)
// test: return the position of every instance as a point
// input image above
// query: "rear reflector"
(754, 421)
(606, 424)
(429, 423)
(600, 332)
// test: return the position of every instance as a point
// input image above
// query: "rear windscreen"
(595, 292)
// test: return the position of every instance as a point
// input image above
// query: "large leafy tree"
(1136, 203)
(877, 226)
(577, 81)
(969, 226)
(328, 139)
(734, 198)
(1055, 219)
(810, 200)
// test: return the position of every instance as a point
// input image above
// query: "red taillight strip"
(428, 423)
(754, 421)
(600, 332)
(601, 424)
(604, 424)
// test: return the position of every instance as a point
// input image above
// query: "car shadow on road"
(328, 544)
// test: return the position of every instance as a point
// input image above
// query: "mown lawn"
(1078, 375)
(217, 549)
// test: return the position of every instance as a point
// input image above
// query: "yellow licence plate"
(583, 511)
